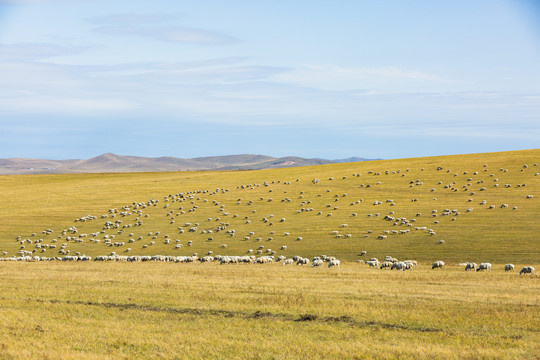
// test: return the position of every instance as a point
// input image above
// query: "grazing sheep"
(527, 270)
(484, 266)
(317, 263)
(437, 265)
(509, 267)
(399, 266)
(334, 262)
(470, 266)
(410, 264)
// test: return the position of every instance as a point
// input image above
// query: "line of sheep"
(392, 263)
(318, 261)
(245, 259)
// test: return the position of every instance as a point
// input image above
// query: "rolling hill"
(118, 163)
(476, 207)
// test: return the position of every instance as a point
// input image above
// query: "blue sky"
(331, 79)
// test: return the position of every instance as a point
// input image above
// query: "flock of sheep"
(318, 261)
(119, 225)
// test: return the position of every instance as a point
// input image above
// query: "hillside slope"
(480, 207)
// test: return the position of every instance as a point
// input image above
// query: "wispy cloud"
(36, 51)
(152, 26)
(30, 2)
(175, 34)
(332, 77)
(115, 19)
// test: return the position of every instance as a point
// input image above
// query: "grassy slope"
(37, 202)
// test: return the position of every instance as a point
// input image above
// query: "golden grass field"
(168, 310)
(183, 311)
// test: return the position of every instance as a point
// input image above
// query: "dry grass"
(150, 310)
(35, 203)
(162, 310)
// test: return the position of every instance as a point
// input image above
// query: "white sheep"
(334, 262)
(317, 263)
(437, 264)
(484, 266)
(509, 267)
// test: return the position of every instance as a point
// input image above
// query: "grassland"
(38, 202)
(163, 310)
(166, 310)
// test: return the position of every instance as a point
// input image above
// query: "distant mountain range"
(117, 163)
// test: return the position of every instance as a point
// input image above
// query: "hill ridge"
(111, 162)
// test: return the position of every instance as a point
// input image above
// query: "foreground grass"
(161, 310)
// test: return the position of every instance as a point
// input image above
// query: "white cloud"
(168, 33)
(36, 51)
(232, 91)
(336, 78)
(24, 2)
(115, 19)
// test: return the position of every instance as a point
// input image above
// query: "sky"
(312, 78)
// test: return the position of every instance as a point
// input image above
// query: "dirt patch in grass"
(246, 315)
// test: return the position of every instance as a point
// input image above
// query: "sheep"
(288, 262)
(411, 263)
(437, 264)
(527, 270)
(317, 263)
(509, 267)
(373, 263)
(386, 264)
(470, 266)
(484, 266)
(334, 262)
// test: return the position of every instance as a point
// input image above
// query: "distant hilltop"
(110, 162)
